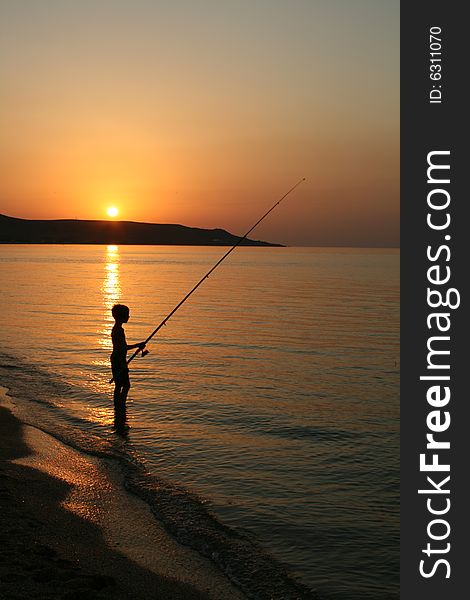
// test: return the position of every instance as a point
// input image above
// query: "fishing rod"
(164, 322)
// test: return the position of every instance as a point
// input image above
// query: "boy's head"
(120, 312)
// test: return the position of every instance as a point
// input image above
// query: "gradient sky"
(204, 112)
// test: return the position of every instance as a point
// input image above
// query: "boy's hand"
(141, 345)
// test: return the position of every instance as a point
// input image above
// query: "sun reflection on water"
(111, 285)
(111, 291)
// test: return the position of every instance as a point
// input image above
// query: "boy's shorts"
(120, 375)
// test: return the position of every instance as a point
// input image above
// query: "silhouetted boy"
(119, 366)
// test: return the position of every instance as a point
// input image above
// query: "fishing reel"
(144, 353)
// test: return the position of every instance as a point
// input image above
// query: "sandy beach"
(69, 530)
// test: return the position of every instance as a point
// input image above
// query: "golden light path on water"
(111, 293)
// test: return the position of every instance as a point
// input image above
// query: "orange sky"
(204, 113)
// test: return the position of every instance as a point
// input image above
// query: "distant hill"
(74, 231)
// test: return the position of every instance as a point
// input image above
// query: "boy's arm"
(140, 345)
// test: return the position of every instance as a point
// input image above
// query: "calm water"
(272, 393)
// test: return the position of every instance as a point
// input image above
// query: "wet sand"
(69, 530)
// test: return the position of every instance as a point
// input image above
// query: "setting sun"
(112, 211)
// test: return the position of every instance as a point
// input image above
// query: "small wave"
(304, 432)
(270, 426)
(244, 347)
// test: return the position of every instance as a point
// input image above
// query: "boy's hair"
(119, 310)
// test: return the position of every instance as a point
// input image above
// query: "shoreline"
(69, 529)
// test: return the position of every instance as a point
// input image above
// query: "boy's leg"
(121, 386)
(119, 407)
(124, 391)
(125, 386)
(120, 396)
(117, 394)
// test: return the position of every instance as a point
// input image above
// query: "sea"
(263, 423)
